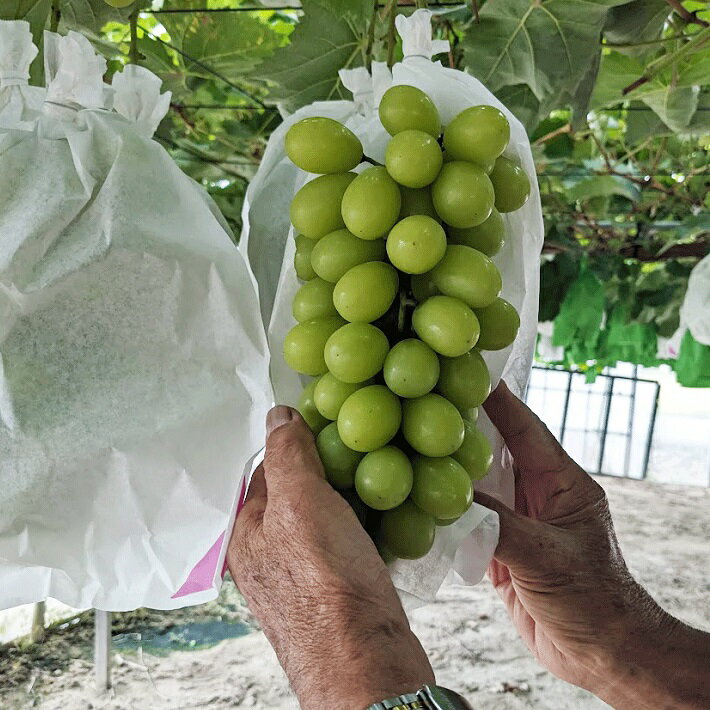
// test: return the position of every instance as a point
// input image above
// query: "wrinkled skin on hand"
(559, 570)
(315, 581)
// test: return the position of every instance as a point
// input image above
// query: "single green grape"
(307, 407)
(304, 344)
(441, 487)
(322, 145)
(365, 292)
(471, 415)
(407, 531)
(464, 380)
(499, 325)
(423, 286)
(488, 237)
(406, 107)
(356, 352)
(416, 244)
(413, 158)
(446, 325)
(386, 555)
(313, 300)
(339, 462)
(511, 185)
(411, 368)
(469, 275)
(475, 454)
(120, 4)
(339, 251)
(330, 393)
(384, 478)
(371, 203)
(369, 418)
(315, 208)
(463, 194)
(478, 134)
(302, 258)
(416, 201)
(432, 425)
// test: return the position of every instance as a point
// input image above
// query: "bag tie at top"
(417, 41)
(8, 79)
(16, 53)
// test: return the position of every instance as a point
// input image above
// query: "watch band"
(429, 697)
(401, 702)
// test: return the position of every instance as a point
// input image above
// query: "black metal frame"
(603, 432)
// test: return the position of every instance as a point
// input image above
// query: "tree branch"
(690, 17)
(667, 60)
(391, 13)
(134, 56)
(567, 128)
(55, 16)
(371, 35)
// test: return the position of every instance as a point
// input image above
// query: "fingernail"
(277, 417)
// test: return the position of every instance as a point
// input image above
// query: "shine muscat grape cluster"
(399, 296)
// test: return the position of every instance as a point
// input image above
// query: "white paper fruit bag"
(20, 103)
(133, 362)
(462, 550)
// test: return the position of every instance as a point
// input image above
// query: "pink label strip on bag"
(202, 575)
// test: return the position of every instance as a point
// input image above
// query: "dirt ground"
(472, 645)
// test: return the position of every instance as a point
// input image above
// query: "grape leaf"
(603, 186)
(522, 102)
(233, 44)
(307, 69)
(548, 46)
(673, 96)
(675, 106)
(642, 123)
(89, 16)
(639, 21)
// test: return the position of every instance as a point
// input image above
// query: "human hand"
(315, 581)
(561, 575)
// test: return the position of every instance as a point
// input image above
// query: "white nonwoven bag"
(20, 103)
(133, 362)
(461, 551)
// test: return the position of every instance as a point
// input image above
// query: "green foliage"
(307, 70)
(614, 94)
(89, 16)
(578, 325)
(635, 23)
(547, 47)
(693, 365)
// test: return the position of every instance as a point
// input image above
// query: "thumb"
(525, 545)
(291, 459)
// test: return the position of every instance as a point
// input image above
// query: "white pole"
(37, 633)
(102, 649)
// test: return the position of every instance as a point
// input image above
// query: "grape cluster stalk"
(399, 296)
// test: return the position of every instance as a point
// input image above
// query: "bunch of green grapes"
(399, 296)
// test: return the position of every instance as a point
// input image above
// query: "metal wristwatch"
(430, 697)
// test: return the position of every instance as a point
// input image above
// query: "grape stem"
(391, 13)
(402, 316)
(134, 55)
(55, 16)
